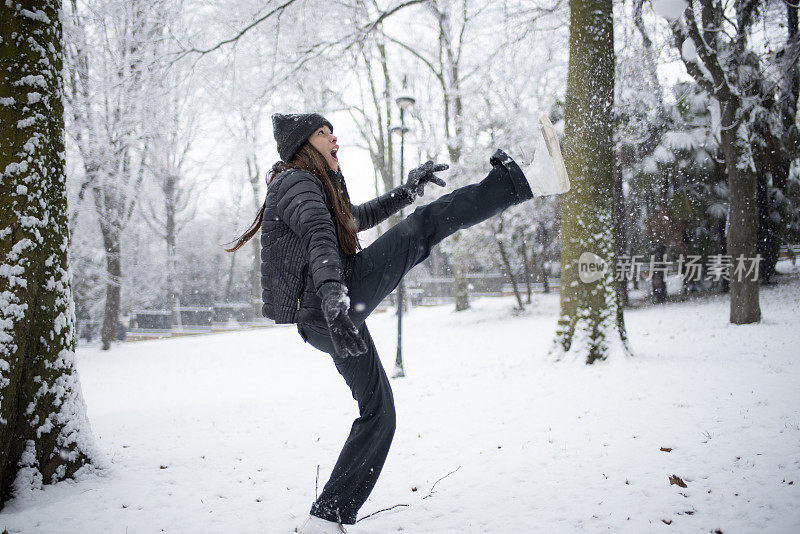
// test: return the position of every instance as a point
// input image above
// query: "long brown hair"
(308, 158)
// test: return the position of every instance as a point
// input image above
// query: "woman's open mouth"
(333, 153)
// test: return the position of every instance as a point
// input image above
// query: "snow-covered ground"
(223, 433)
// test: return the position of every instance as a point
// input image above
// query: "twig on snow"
(379, 511)
(430, 494)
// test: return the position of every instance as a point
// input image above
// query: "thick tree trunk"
(591, 323)
(742, 229)
(44, 434)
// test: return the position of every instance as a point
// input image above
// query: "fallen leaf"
(666, 449)
(675, 479)
(667, 521)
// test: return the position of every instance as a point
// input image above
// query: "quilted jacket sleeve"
(301, 205)
(379, 209)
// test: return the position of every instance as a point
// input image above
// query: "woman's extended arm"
(379, 209)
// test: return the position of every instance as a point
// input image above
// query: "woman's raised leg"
(379, 268)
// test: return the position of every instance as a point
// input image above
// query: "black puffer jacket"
(299, 245)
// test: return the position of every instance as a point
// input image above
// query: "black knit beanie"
(291, 131)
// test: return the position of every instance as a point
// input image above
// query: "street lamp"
(403, 102)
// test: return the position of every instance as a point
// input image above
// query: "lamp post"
(403, 102)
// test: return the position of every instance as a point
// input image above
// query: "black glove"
(335, 304)
(417, 178)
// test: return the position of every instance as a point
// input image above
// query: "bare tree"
(451, 21)
(173, 205)
(373, 113)
(500, 239)
(113, 51)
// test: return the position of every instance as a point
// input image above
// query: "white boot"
(316, 525)
(547, 174)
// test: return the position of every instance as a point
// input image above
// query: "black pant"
(376, 272)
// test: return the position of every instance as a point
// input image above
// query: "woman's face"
(325, 143)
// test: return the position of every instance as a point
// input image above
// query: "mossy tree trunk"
(591, 325)
(44, 434)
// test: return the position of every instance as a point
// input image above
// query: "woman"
(315, 274)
